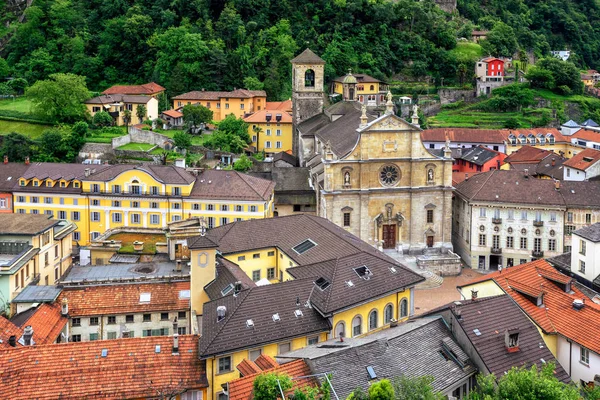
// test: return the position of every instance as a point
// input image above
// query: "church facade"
(372, 174)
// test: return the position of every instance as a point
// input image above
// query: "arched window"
(356, 326)
(388, 314)
(373, 320)
(403, 308)
(340, 330)
(309, 78)
(372, 87)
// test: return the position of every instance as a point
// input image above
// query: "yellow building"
(275, 285)
(549, 139)
(116, 104)
(111, 196)
(360, 87)
(34, 249)
(271, 131)
(239, 102)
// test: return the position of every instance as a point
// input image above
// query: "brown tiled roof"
(583, 160)
(528, 154)
(173, 113)
(25, 224)
(205, 95)
(261, 117)
(10, 174)
(147, 88)
(121, 299)
(259, 304)
(228, 273)
(285, 105)
(56, 171)
(307, 57)
(492, 316)
(222, 184)
(581, 194)
(361, 78)
(557, 315)
(479, 33)
(462, 135)
(241, 388)
(118, 98)
(162, 173)
(132, 368)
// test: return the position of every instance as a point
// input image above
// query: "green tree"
(196, 115)
(102, 119)
(81, 129)
(126, 117)
(269, 386)
(17, 147)
(60, 98)
(540, 78)
(564, 73)
(242, 164)
(182, 140)
(51, 146)
(511, 97)
(140, 112)
(4, 69)
(419, 388)
(382, 390)
(252, 83)
(500, 41)
(358, 394)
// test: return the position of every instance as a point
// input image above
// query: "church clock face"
(389, 175)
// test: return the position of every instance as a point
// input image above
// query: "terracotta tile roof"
(528, 154)
(285, 105)
(120, 299)
(265, 362)
(119, 98)
(557, 316)
(247, 367)
(586, 134)
(173, 113)
(241, 389)
(492, 316)
(583, 160)
(47, 323)
(206, 95)
(222, 184)
(261, 117)
(148, 88)
(132, 368)
(463, 135)
(8, 329)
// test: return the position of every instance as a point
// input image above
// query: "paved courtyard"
(429, 298)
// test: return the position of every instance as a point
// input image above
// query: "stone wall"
(141, 136)
(447, 5)
(485, 88)
(452, 95)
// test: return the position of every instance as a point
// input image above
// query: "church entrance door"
(429, 241)
(389, 236)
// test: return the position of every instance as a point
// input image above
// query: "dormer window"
(48, 183)
(511, 339)
(364, 272)
(36, 183)
(22, 182)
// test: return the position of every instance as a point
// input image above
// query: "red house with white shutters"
(490, 69)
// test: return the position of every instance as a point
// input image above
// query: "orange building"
(239, 102)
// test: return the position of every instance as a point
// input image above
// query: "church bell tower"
(308, 71)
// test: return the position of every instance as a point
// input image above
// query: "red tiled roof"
(131, 369)
(8, 329)
(285, 105)
(241, 389)
(558, 137)
(47, 323)
(173, 113)
(247, 367)
(147, 88)
(527, 154)
(261, 116)
(205, 95)
(587, 134)
(265, 362)
(583, 160)
(119, 299)
(557, 316)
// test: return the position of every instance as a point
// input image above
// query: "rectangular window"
(241, 258)
(430, 216)
(35, 211)
(224, 221)
(117, 218)
(252, 208)
(238, 208)
(76, 236)
(116, 188)
(95, 216)
(48, 200)
(76, 338)
(588, 218)
(93, 320)
(256, 255)
(224, 364)
(569, 217)
(135, 204)
(75, 215)
(268, 132)
(111, 335)
(176, 191)
(271, 273)
(524, 215)
(181, 330)
(116, 203)
(176, 206)
(284, 348)
(278, 132)
(95, 188)
(267, 144)
(582, 266)
(496, 241)
(582, 247)
(551, 244)
(181, 315)
(76, 321)
(21, 199)
(35, 199)
(147, 318)
(154, 190)
(584, 355)
(313, 340)
(271, 254)
(256, 275)
(112, 319)
(164, 316)
(347, 219)
(254, 354)
(482, 212)
(75, 202)
(154, 219)
(278, 145)
(552, 217)
(482, 239)
(224, 207)
(523, 243)
(537, 244)
(95, 202)
(129, 318)
(210, 207)
(135, 218)
(211, 222)
(195, 206)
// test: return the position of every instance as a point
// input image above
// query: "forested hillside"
(193, 44)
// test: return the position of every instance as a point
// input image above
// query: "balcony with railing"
(537, 253)
(538, 223)
(496, 221)
(496, 250)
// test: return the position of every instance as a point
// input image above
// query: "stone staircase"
(432, 280)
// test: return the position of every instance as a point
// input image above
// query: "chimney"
(64, 307)
(87, 172)
(473, 294)
(27, 335)
(526, 172)
(557, 184)
(466, 177)
(12, 341)
(27, 160)
(237, 288)
(221, 312)
(553, 162)
(175, 344)
(5, 159)
(175, 324)
(178, 265)
(511, 340)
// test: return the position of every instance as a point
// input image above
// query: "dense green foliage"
(196, 115)
(231, 135)
(182, 140)
(400, 388)
(242, 164)
(269, 386)
(557, 75)
(59, 98)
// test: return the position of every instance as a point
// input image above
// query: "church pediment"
(389, 122)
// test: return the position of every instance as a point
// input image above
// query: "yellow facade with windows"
(270, 263)
(133, 198)
(117, 104)
(222, 104)
(270, 137)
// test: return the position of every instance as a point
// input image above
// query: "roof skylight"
(322, 283)
(304, 246)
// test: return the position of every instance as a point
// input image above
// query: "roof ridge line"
(247, 183)
(337, 259)
(484, 183)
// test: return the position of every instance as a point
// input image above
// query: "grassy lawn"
(482, 120)
(127, 240)
(24, 128)
(21, 104)
(197, 140)
(467, 51)
(136, 146)
(105, 135)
